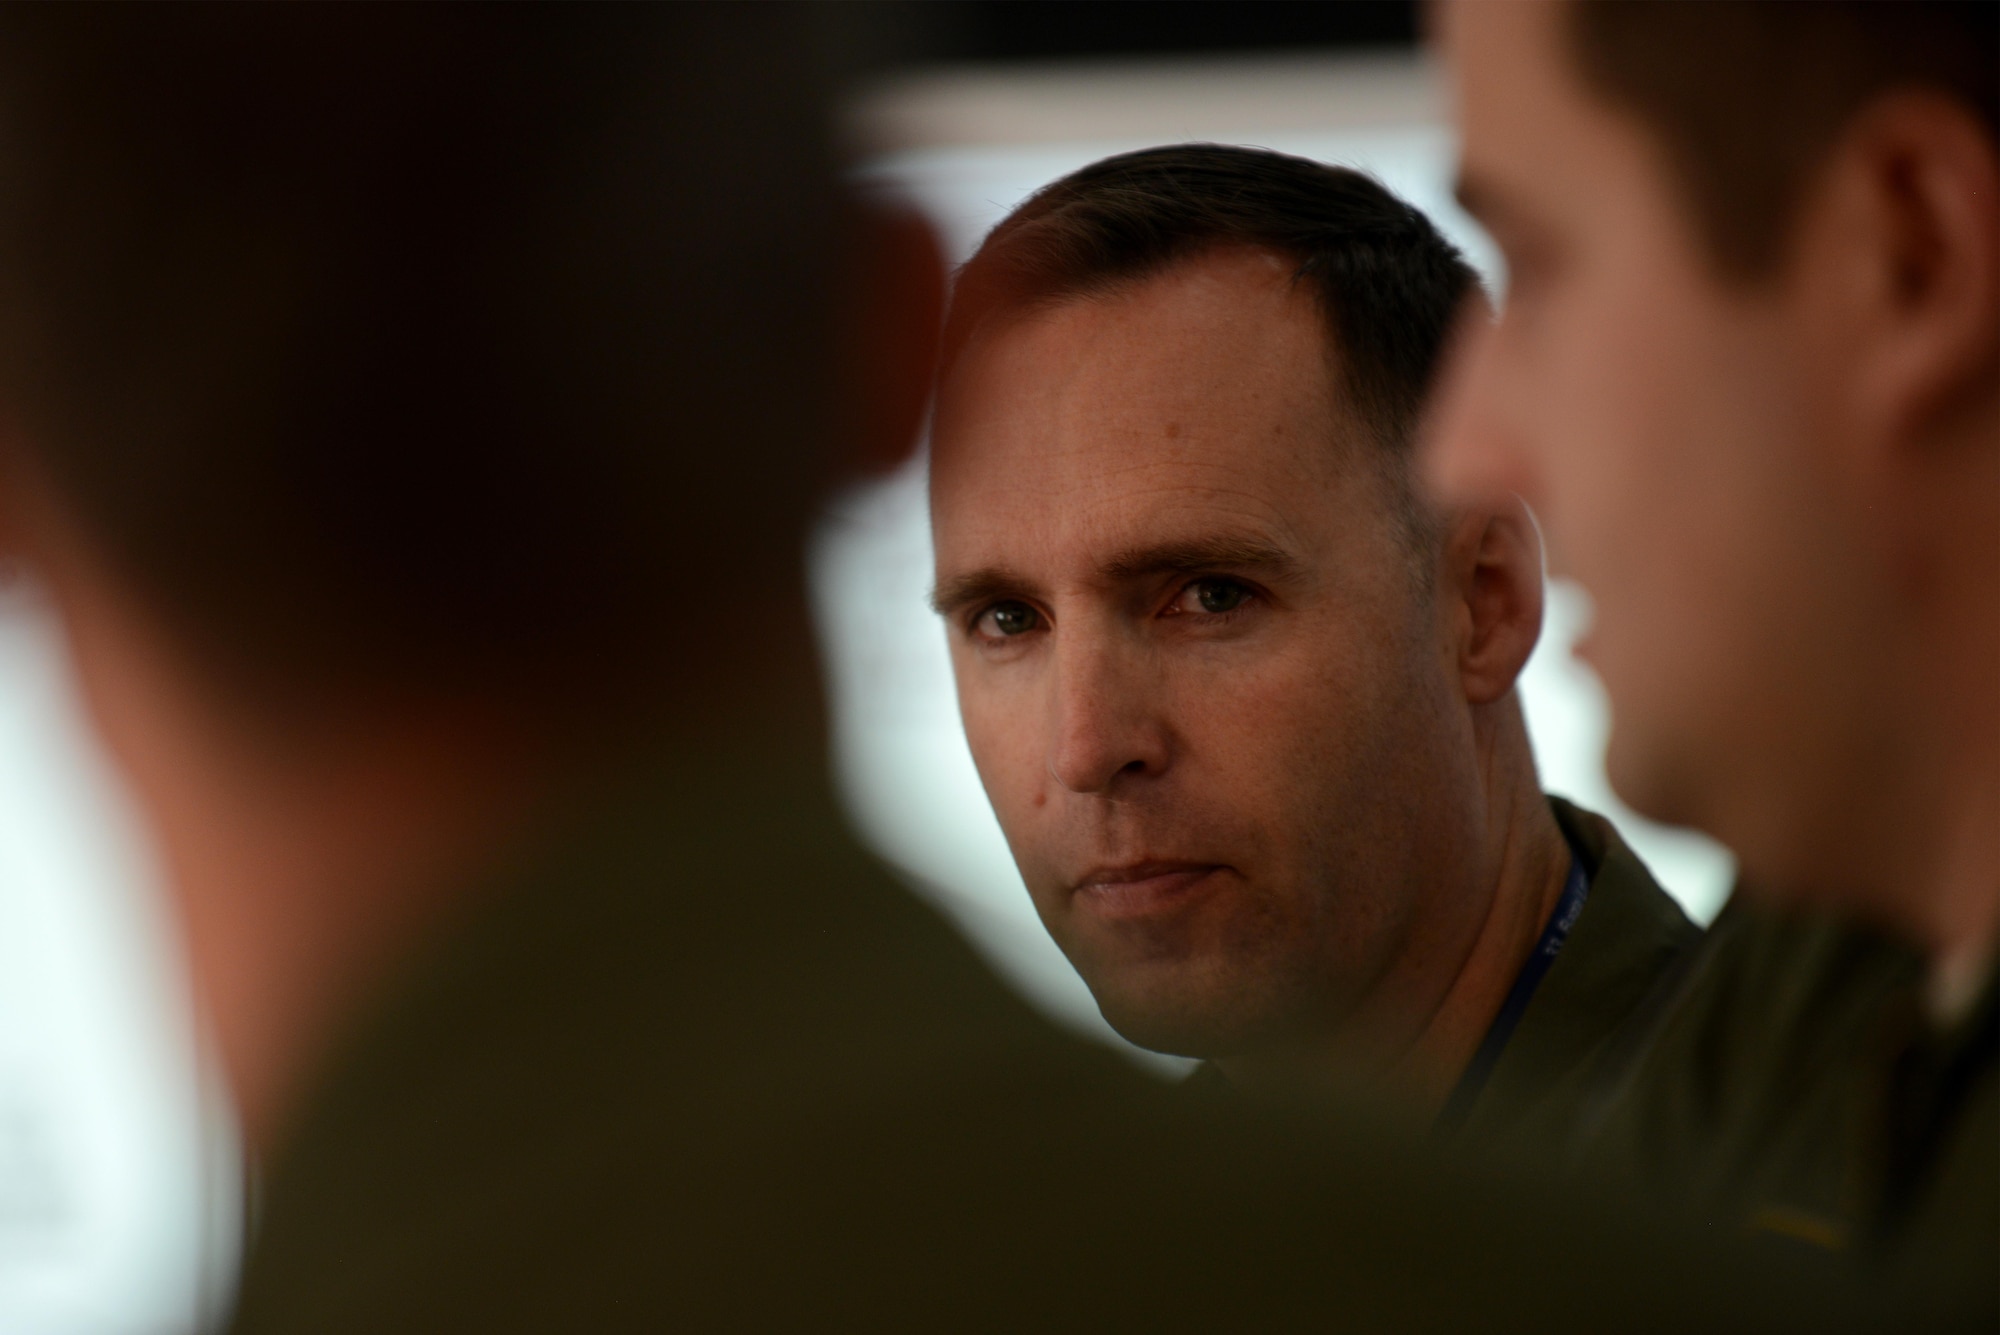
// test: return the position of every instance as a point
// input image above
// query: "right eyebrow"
(976, 586)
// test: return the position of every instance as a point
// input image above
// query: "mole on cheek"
(1173, 429)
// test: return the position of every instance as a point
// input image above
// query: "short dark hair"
(1748, 95)
(452, 346)
(1387, 281)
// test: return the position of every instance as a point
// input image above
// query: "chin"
(1180, 1014)
(1663, 782)
(1651, 777)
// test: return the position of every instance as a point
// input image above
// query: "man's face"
(1210, 702)
(1662, 421)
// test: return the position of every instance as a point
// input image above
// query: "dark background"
(1027, 30)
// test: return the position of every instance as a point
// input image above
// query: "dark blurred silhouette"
(415, 413)
(372, 355)
(1749, 375)
(1005, 30)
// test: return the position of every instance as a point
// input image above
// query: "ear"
(1492, 591)
(897, 307)
(1907, 234)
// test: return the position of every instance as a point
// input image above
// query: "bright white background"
(118, 1168)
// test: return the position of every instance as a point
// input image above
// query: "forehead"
(1517, 46)
(1197, 399)
(1536, 145)
(1513, 82)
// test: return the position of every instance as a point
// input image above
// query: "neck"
(1529, 861)
(1965, 927)
(1958, 862)
(1941, 882)
(301, 883)
(308, 867)
(1418, 1041)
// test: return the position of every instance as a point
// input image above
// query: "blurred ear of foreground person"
(415, 414)
(1749, 377)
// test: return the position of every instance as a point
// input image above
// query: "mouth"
(1141, 889)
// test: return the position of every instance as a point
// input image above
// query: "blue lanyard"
(1575, 890)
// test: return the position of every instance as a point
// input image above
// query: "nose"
(1108, 727)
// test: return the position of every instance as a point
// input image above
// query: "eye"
(1212, 596)
(1008, 618)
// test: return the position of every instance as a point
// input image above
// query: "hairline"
(1758, 255)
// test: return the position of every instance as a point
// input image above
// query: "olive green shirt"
(691, 1062)
(1590, 1015)
(1797, 1093)
(1599, 1001)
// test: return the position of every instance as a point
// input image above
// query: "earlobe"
(1499, 569)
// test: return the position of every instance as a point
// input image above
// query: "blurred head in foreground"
(1748, 373)
(1243, 704)
(405, 405)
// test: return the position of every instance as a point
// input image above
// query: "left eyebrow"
(1199, 554)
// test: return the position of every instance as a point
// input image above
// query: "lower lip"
(1139, 899)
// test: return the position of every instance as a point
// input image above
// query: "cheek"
(1272, 709)
(1639, 402)
(1665, 516)
(1002, 730)
(1288, 728)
